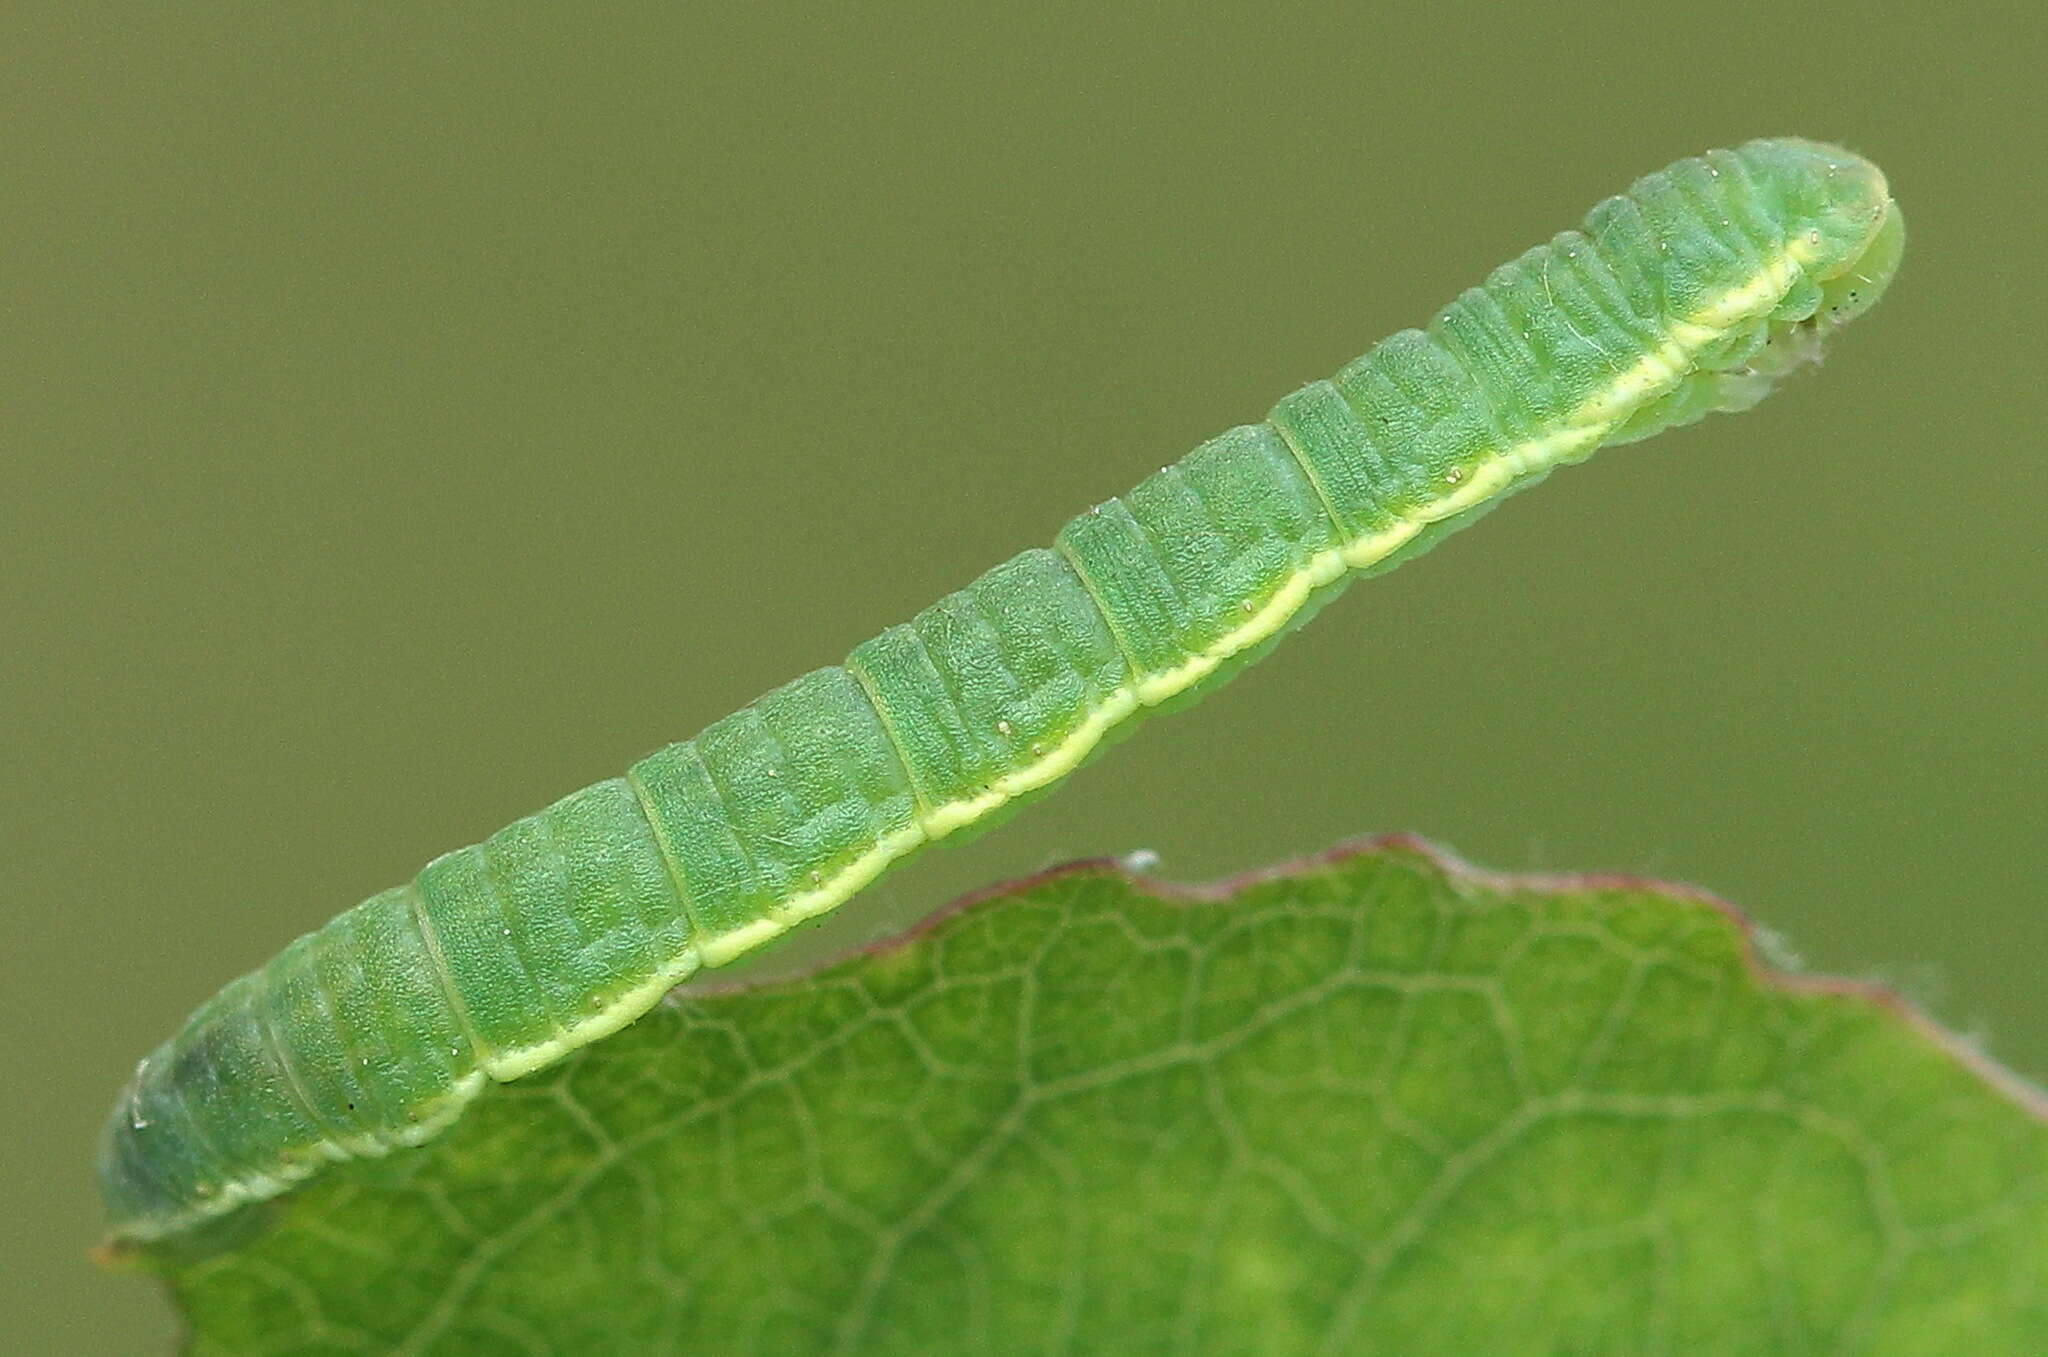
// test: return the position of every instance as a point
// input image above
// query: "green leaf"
(1379, 1103)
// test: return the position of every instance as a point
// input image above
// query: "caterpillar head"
(1842, 225)
(1843, 237)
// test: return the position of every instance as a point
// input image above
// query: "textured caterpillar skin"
(1691, 293)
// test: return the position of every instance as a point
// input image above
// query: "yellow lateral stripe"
(509, 1065)
(1592, 421)
(1596, 417)
(261, 1185)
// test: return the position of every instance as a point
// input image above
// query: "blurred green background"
(407, 419)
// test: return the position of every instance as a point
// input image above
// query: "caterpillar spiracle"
(1693, 292)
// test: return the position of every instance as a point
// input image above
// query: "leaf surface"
(1379, 1103)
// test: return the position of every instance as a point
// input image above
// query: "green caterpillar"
(1694, 292)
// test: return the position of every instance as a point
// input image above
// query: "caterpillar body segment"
(1694, 292)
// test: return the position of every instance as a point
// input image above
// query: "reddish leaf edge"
(1765, 958)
